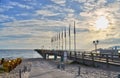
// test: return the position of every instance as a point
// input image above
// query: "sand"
(40, 68)
(43, 69)
(48, 69)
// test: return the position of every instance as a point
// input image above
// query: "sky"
(30, 24)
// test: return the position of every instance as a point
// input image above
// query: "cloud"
(24, 36)
(107, 11)
(5, 8)
(5, 18)
(59, 2)
(20, 5)
(46, 13)
(23, 14)
(50, 18)
(35, 23)
(53, 11)
(111, 41)
(33, 28)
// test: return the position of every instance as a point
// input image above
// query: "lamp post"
(95, 43)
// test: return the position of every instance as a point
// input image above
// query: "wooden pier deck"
(86, 58)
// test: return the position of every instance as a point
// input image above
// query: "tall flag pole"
(62, 39)
(74, 38)
(65, 37)
(59, 41)
(69, 38)
(51, 42)
(55, 41)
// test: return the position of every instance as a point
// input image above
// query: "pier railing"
(83, 55)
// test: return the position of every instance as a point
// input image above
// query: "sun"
(101, 23)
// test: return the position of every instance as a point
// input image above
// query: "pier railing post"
(70, 54)
(112, 56)
(107, 60)
(93, 60)
(83, 54)
(75, 54)
(62, 57)
(55, 56)
(100, 57)
(44, 56)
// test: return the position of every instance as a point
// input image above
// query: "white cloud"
(46, 13)
(23, 14)
(34, 23)
(5, 8)
(5, 18)
(69, 10)
(60, 2)
(20, 5)
(81, 1)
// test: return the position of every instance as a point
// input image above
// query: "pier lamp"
(95, 43)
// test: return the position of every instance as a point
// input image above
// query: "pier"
(90, 59)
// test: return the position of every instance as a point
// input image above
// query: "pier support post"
(93, 60)
(62, 58)
(47, 56)
(55, 56)
(83, 54)
(112, 56)
(107, 61)
(75, 54)
(70, 54)
(44, 56)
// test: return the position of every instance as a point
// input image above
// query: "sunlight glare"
(101, 23)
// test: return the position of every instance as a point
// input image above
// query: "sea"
(19, 53)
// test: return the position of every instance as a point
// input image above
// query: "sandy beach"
(48, 69)
(40, 68)
(45, 69)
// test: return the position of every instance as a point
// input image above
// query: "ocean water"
(15, 53)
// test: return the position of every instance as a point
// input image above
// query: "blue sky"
(31, 23)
